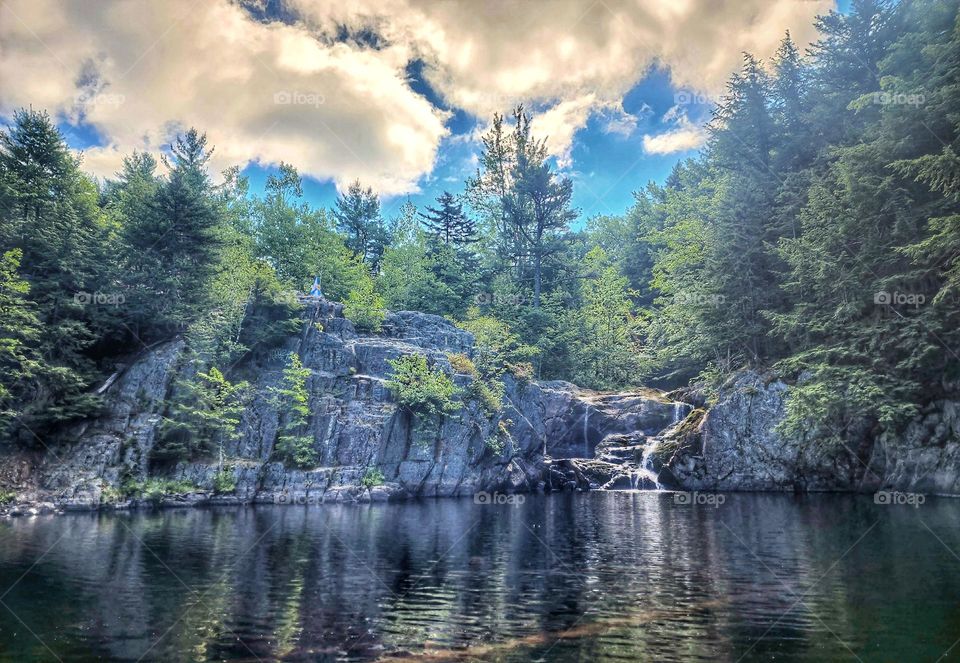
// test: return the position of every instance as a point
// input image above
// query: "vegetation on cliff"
(817, 232)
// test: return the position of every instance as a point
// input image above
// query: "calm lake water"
(594, 577)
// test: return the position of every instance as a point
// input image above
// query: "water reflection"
(605, 576)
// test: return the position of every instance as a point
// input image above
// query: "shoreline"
(205, 499)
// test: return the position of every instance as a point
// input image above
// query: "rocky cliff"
(354, 422)
(558, 435)
(736, 446)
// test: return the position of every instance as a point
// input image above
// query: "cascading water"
(647, 471)
(626, 458)
(586, 434)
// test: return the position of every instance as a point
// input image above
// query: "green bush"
(420, 388)
(498, 440)
(365, 307)
(224, 480)
(489, 393)
(462, 364)
(155, 488)
(372, 477)
(296, 450)
(7, 496)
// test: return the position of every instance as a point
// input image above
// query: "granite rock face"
(736, 446)
(561, 437)
(354, 422)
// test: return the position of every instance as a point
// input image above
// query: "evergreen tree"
(172, 250)
(447, 223)
(357, 214)
(204, 418)
(294, 446)
(50, 216)
(19, 335)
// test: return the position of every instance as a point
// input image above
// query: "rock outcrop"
(354, 423)
(548, 436)
(736, 446)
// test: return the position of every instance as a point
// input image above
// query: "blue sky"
(607, 167)
(393, 94)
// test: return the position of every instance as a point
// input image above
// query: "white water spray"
(586, 436)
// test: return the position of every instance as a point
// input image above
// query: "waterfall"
(646, 463)
(586, 437)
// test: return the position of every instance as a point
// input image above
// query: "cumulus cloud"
(343, 109)
(684, 135)
(139, 72)
(676, 140)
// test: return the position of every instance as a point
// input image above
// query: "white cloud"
(263, 93)
(150, 68)
(678, 140)
(683, 137)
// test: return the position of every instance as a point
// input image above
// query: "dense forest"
(816, 235)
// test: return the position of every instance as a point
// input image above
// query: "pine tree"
(294, 445)
(357, 214)
(203, 419)
(19, 335)
(175, 244)
(50, 216)
(447, 223)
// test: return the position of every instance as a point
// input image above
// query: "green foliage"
(19, 333)
(357, 214)
(205, 415)
(364, 306)
(497, 442)
(6, 497)
(224, 480)
(154, 489)
(420, 388)
(372, 477)
(53, 233)
(608, 354)
(496, 348)
(294, 446)
(462, 364)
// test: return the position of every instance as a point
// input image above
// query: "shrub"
(296, 450)
(365, 307)
(498, 440)
(154, 489)
(489, 394)
(372, 477)
(224, 481)
(420, 388)
(462, 364)
(7, 496)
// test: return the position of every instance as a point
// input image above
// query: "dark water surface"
(603, 576)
